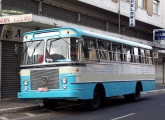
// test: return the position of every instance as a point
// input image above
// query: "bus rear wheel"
(135, 97)
(95, 103)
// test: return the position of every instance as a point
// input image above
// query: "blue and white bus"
(71, 63)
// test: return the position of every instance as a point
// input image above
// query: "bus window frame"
(149, 57)
(139, 56)
(96, 49)
(108, 52)
(131, 54)
(117, 53)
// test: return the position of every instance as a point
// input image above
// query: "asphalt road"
(151, 107)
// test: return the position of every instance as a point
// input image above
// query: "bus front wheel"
(50, 104)
(95, 103)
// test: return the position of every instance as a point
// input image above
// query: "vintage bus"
(75, 64)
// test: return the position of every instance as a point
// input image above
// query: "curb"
(20, 109)
(154, 92)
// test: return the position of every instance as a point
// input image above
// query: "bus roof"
(76, 32)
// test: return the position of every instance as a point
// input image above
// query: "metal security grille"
(14, 7)
(93, 22)
(36, 79)
(10, 69)
(59, 13)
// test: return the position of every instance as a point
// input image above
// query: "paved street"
(151, 107)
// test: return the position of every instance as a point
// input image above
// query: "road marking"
(123, 116)
(4, 118)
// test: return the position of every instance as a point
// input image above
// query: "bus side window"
(149, 56)
(117, 52)
(136, 55)
(103, 50)
(127, 54)
(90, 49)
(143, 56)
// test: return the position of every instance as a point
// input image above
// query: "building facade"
(109, 17)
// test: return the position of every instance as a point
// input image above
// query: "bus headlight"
(64, 80)
(26, 82)
(26, 88)
(64, 86)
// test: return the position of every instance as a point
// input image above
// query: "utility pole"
(119, 16)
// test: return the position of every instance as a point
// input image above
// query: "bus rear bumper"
(58, 94)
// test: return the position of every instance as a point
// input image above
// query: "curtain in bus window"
(143, 56)
(149, 56)
(136, 53)
(127, 54)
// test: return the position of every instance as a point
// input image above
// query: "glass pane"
(126, 50)
(143, 56)
(90, 49)
(62, 50)
(136, 51)
(33, 52)
(103, 48)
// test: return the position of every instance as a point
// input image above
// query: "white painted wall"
(163, 12)
(140, 14)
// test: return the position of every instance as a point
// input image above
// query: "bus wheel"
(135, 97)
(50, 104)
(95, 103)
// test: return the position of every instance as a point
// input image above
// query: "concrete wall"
(160, 69)
(140, 14)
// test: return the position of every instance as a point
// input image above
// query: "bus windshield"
(57, 50)
(32, 52)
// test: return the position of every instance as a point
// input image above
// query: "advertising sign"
(16, 18)
(132, 14)
(13, 33)
(159, 36)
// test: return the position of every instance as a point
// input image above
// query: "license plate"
(42, 89)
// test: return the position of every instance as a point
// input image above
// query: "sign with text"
(132, 14)
(13, 33)
(159, 36)
(16, 18)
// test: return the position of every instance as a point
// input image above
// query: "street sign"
(159, 36)
(132, 14)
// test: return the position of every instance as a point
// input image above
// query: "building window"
(156, 7)
(126, 1)
(142, 4)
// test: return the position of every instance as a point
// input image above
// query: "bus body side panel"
(148, 85)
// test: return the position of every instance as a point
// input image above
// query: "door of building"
(10, 80)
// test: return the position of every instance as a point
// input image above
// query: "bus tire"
(50, 104)
(95, 103)
(135, 97)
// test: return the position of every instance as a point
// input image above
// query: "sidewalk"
(16, 105)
